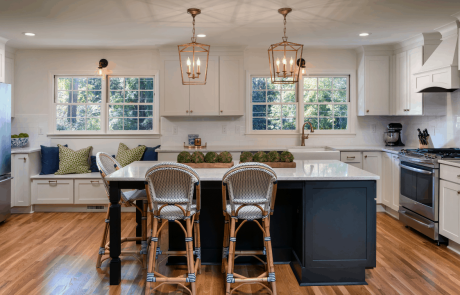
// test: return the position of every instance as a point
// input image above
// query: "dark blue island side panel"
(326, 230)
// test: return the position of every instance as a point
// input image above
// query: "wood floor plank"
(55, 253)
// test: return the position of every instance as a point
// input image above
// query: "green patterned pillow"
(125, 156)
(73, 162)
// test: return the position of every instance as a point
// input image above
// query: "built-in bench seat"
(68, 189)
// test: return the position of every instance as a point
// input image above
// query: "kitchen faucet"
(303, 132)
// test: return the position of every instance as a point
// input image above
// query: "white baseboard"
(454, 247)
(22, 210)
(380, 208)
(77, 208)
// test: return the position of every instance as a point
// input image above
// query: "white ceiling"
(253, 23)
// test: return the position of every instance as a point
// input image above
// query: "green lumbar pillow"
(73, 162)
(126, 156)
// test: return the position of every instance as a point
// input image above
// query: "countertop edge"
(453, 163)
(26, 150)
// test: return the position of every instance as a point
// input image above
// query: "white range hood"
(440, 73)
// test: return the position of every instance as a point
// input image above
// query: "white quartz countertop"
(455, 163)
(178, 149)
(309, 170)
(25, 150)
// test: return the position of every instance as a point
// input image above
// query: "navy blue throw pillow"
(50, 159)
(150, 154)
(93, 166)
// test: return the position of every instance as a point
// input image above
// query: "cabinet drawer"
(351, 157)
(90, 191)
(52, 191)
(450, 173)
(449, 210)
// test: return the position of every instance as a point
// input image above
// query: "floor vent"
(95, 207)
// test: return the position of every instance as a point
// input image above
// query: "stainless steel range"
(419, 194)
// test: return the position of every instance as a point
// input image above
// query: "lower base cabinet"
(52, 191)
(90, 191)
(449, 210)
(390, 180)
(372, 162)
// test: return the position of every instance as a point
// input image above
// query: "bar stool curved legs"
(248, 202)
(164, 209)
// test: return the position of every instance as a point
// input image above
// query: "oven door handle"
(418, 221)
(415, 169)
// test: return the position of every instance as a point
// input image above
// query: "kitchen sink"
(314, 153)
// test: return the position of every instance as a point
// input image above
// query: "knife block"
(423, 146)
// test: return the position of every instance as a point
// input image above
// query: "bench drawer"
(52, 191)
(90, 191)
(351, 157)
(450, 173)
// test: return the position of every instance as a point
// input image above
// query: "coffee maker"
(393, 136)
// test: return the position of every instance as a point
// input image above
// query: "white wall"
(32, 101)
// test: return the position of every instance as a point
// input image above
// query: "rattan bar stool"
(108, 165)
(170, 187)
(252, 192)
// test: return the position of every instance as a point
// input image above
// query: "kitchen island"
(324, 223)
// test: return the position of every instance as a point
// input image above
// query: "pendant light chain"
(193, 31)
(285, 37)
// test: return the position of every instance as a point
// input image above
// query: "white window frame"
(300, 105)
(104, 104)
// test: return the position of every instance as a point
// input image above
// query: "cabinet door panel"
(51, 191)
(372, 162)
(377, 85)
(90, 191)
(414, 99)
(204, 99)
(401, 83)
(387, 180)
(395, 183)
(231, 70)
(175, 95)
(449, 210)
(20, 183)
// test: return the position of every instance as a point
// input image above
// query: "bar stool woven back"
(251, 196)
(171, 188)
(107, 165)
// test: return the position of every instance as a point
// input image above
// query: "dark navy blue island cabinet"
(326, 230)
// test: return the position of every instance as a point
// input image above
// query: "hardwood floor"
(55, 253)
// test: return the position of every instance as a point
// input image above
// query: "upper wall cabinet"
(373, 85)
(222, 95)
(2, 60)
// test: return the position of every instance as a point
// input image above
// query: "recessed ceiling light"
(201, 35)
(364, 34)
(29, 34)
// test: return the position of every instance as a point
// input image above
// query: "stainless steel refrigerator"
(5, 151)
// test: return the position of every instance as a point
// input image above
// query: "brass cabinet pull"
(23, 159)
(350, 157)
(94, 181)
(52, 181)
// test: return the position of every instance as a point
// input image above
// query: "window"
(131, 103)
(118, 104)
(78, 103)
(326, 102)
(273, 106)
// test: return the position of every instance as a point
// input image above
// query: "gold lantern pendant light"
(283, 57)
(193, 52)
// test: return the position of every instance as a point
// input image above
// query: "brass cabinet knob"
(191, 111)
(221, 111)
(365, 157)
(186, 111)
(367, 111)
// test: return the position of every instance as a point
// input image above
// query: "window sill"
(335, 134)
(103, 135)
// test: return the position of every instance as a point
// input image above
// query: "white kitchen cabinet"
(2, 60)
(372, 162)
(52, 191)
(231, 75)
(407, 100)
(22, 167)
(352, 158)
(449, 210)
(374, 86)
(175, 96)
(90, 191)
(390, 180)
(204, 99)
(9, 79)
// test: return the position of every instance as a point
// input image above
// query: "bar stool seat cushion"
(171, 212)
(134, 195)
(247, 212)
